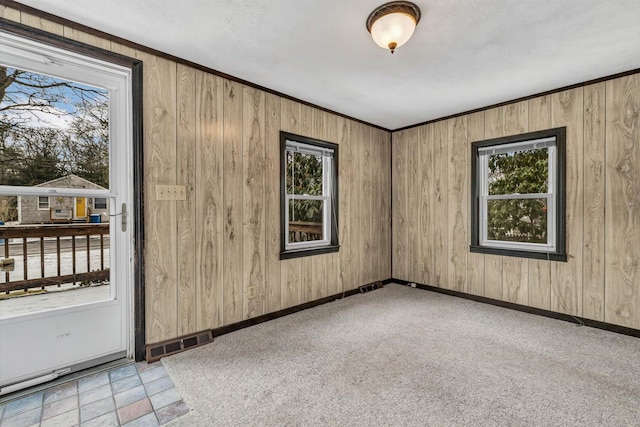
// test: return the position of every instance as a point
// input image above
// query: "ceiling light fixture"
(392, 24)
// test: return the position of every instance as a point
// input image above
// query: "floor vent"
(166, 348)
(370, 287)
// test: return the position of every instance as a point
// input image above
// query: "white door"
(67, 304)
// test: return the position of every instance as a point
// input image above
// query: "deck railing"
(300, 231)
(81, 237)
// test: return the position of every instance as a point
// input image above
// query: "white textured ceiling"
(465, 54)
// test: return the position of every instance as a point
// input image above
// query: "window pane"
(519, 172)
(43, 203)
(523, 220)
(304, 174)
(100, 203)
(52, 128)
(305, 220)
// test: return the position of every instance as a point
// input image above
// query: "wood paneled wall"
(221, 140)
(431, 222)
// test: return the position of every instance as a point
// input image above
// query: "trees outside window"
(50, 127)
(43, 203)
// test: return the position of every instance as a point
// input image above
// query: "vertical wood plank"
(386, 205)
(493, 276)
(233, 292)
(369, 258)
(318, 263)
(380, 209)
(290, 269)
(272, 203)
(399, 194)
(475, 264)
(160, 216)
(209, 200)
(539, 113)
(458, 204)
(493, 128)
(426, 207)
(185, 210)
(594, 201)
(307, 278)
(540, 270)
(622, 250)
(441, 215)
(515, 276)
(81, 36)
(126, 50)
(359, 200)
(494, 123)
(10, 14)
(332, 264)
(319, 279)
(566, 291)
(346, 189)
(374, 169)
(42, 24)
(540, 279)
(253, 232)
(413, 265)
(516, 118)
(515, 280)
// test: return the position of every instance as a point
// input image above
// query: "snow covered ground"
(40, 302)
(55, 296)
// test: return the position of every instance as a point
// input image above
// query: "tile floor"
(133, 395)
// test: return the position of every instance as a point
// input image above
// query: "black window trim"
(560, 253)
(334, 245)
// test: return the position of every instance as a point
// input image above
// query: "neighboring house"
(48, 209)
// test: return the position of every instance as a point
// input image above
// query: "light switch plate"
(171, 192)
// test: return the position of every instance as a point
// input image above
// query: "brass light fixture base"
(394, 7)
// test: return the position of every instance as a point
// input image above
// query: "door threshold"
(73, 376)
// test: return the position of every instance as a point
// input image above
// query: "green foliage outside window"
(520, 172)
(304, 177)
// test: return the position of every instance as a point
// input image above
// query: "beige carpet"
(406, 357)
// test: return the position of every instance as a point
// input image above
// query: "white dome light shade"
(392, 24)
(394, 30)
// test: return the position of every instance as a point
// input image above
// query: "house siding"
(29, 213)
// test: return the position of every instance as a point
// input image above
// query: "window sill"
(552, 256)
(299, 253)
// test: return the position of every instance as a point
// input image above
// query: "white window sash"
(517, 196)
(326, 198)
(312, 150)
(534, 144)
(550, 196)
(48, 204)
(326, 231)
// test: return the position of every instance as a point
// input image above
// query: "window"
(518, 195)
(100, 203)
(309, 196)
(43, 203)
